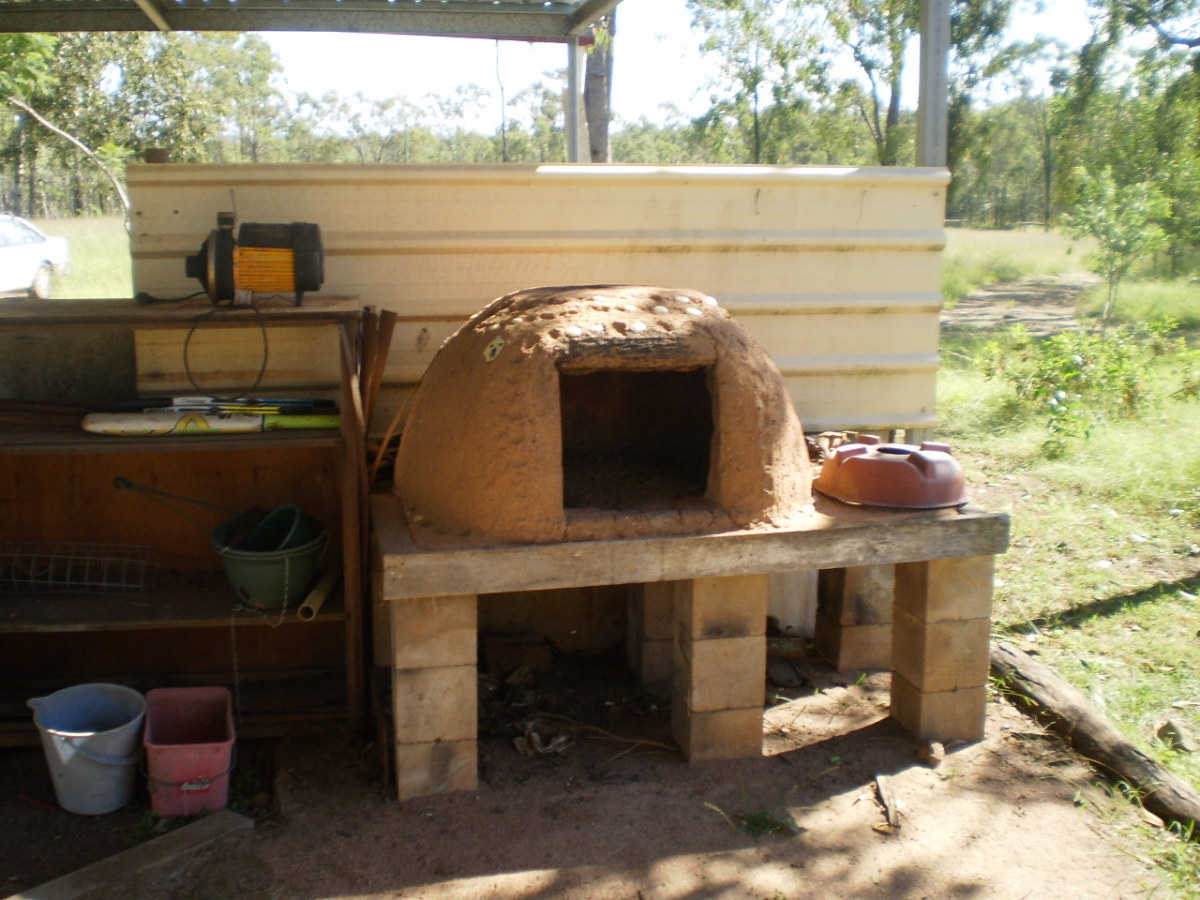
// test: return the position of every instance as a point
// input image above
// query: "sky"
(657, 63)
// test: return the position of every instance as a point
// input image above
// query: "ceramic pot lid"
(904, 476)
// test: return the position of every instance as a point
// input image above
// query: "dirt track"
(1044, 304)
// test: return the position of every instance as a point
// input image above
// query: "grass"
(1102, 578)
(974, 258)
(100, 260)
(1147, 300)
(757, 823)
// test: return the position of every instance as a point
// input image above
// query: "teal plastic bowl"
(283, 528)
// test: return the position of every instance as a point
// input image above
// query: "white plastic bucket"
(90, 733)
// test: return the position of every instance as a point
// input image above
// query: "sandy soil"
(613, 816)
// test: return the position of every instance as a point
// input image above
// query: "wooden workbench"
(712, 591)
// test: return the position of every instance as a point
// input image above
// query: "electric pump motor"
(263, 258)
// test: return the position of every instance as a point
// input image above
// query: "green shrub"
(1076, 378)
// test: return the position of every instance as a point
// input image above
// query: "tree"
(980, 55)
(1124, 220)
(597, 89)
(24, 63)
(240, 70)
(877, 32)
(1000, 178)
(770, 55)
(1173, 22)
(24, 68)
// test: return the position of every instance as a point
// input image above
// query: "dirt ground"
(610, 815)
(606, 818)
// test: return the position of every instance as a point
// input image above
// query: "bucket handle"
(100, 757)
(192, 784)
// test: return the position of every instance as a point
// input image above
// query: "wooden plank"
(847, 537)
(128, 314)
(353, 489)
(377, 363)
(202, 601)
(225, 362)
(75, 441)
(118, 869)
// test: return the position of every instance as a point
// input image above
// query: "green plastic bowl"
(268, 579)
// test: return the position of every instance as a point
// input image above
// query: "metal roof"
(520, 20)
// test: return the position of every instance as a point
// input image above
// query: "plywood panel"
(227, 362)
(78, 502)
(835, 270)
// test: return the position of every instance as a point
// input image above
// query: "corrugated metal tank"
(835, 271)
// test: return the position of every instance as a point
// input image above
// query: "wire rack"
(69, 568)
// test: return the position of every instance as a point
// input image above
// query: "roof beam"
(587, 14)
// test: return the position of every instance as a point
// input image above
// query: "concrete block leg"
(434, 694)
(854, 616)
(719, 649)
(940, 647)
(649, 632)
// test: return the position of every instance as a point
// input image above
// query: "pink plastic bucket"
(189, 749)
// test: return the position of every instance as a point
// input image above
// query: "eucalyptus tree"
(670, 143)
(538, 131)
(70, 121)
(1001, 180)
(24, 62)
(240, 74)
(769, 55)
(784, 54)
(876, 33)
(24, 68)
(1174, 23)
(1131, 105)
(1125, 221)
(597, 89)
(380, 130)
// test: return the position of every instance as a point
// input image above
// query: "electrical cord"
(205, 317)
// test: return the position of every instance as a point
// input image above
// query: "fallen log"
(1065, 709)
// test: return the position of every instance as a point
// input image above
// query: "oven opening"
(635, 439)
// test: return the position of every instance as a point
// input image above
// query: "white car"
(29, 259)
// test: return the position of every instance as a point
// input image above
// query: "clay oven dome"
(600, 412)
